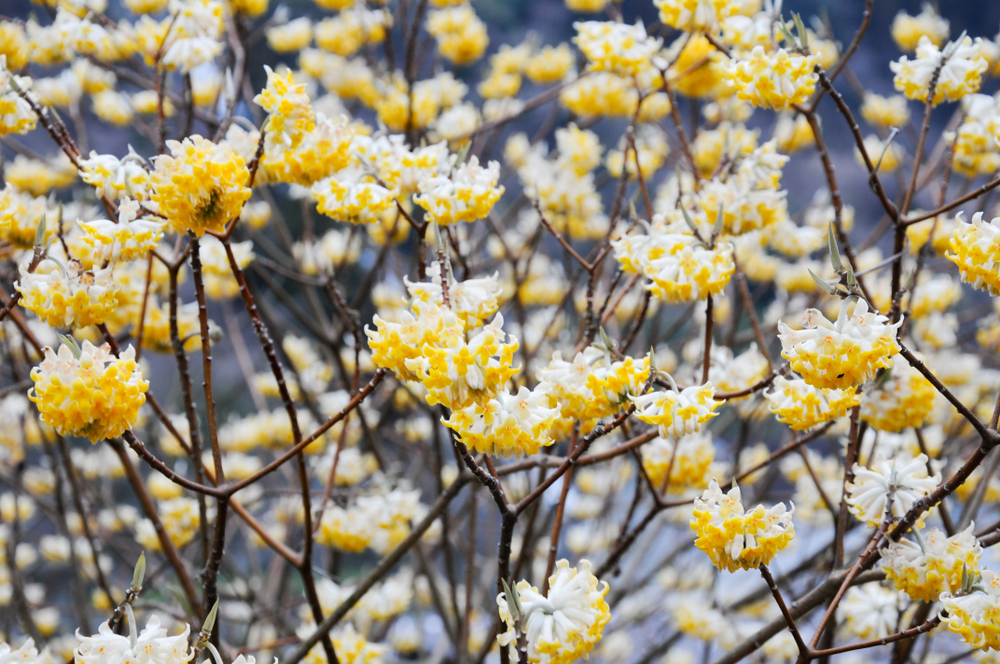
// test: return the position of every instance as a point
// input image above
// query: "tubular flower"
(431, 348)
(975, 249)
(680, 268)
(616, 47)
(96, 395)
(870, 611)
(932, 565)
(151, 645)
(200, 186)
(468, 194)
(963, 65)
(592, 386)
(678, 413)
(116, 177)
(904, 400)
(689, 459)
(802, 406)
(290, 115)
(734, 539)
(472, 300)
(840, 355)
(565, 625)
(68, 297)
(131, 238)
(904, 480)
(695, 15)
(773, 81)
(974, 616)
(353, 196)
(16, 116)
(508, 424)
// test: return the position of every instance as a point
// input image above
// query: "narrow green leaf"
(801, 29)
(720, 219)
(690, 222)
(831, 239)
(70, 343)
(823, 283)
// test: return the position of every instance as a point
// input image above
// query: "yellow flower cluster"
(773, 81)
(696, 15)
(16, 116)
(678, 413)
(379, 522)
(907, 30)
(200, 185)
(903, 401)
(975, 249)
(679, 266)
(508, 424)
(131, 238)
(563, 626)
(976, 616)
(840, 355)
(460, 34)
(688, 459)
(592, 385)
(616, 47)
(68, 296)
(932, 565)
(734, 539)
(467, 194)
(802, 406)
(885, 111)
(431, 348)
(961, 66)
(352, 196)
(181, 521)
(95, 395)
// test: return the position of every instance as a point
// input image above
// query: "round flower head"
(903, 480)
(564, 626)
(975, 616)
(932, 565)
(461, 35)
(959, 75)
(908, 30)
(131, 238)
(885, 111)
(472, 300)
(840, 355)
(151, 645)
(468, 194)
(678, 413)
(903, 400)
(95, 395)
(688, 460)
(773, 81)
(592, 385)
(16, 116)
(680, 268)
(802, 406)
(869, 611)
(68, 296)
(200, 185)
(734, 539)
(353, 196)
(508, 424)
(616, 47)
(695, 15)
(975, 249)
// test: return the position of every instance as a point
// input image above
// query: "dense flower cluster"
(889, 487)
(563, 625)
(934, 564)
(975, 249)
(843, 354)
(94, 394)
(678, 413)
(802, 406)
(735, 539)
